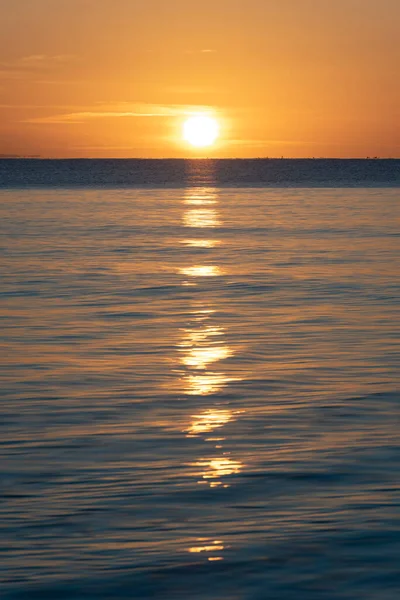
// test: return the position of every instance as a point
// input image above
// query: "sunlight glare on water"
(200, 393)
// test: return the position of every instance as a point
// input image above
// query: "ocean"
(200, 380)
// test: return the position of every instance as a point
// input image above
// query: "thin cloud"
(121, 110)
(35, 106)
(103, 148)
(201, 51)
(33, 63)
(6, 73)
(263, 143)
(45, 59)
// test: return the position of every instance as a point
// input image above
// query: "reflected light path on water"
(205, 385)
(213, 471)
(208, 421)
(201, 217)
(201, 350)
(201, 243)
(200, 358)
(201, 196)
(201, 271)
(208, 546)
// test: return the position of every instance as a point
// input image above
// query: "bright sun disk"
(200, 131)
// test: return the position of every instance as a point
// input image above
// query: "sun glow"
(201, 131)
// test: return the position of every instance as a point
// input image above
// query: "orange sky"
(116, 78)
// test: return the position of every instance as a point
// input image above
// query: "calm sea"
(200, 380)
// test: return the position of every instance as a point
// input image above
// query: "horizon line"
(196, 158)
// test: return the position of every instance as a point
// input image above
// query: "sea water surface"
(200, 393)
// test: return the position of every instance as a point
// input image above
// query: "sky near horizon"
(117, 78)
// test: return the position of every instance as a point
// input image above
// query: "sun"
(200, 131)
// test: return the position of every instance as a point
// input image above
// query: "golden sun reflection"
(204, 385)
(201, 243)
(215, 469)
(204, 217)
(200, 358)
(198, 355)
(209, 421)
(202, 345)
(206, 545)
(200, 314)
(201, 271)
(201, 196)
(201, 217)
(200, 348)
(196, 336)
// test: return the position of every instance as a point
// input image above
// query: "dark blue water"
(181, 173)
(199, 391)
